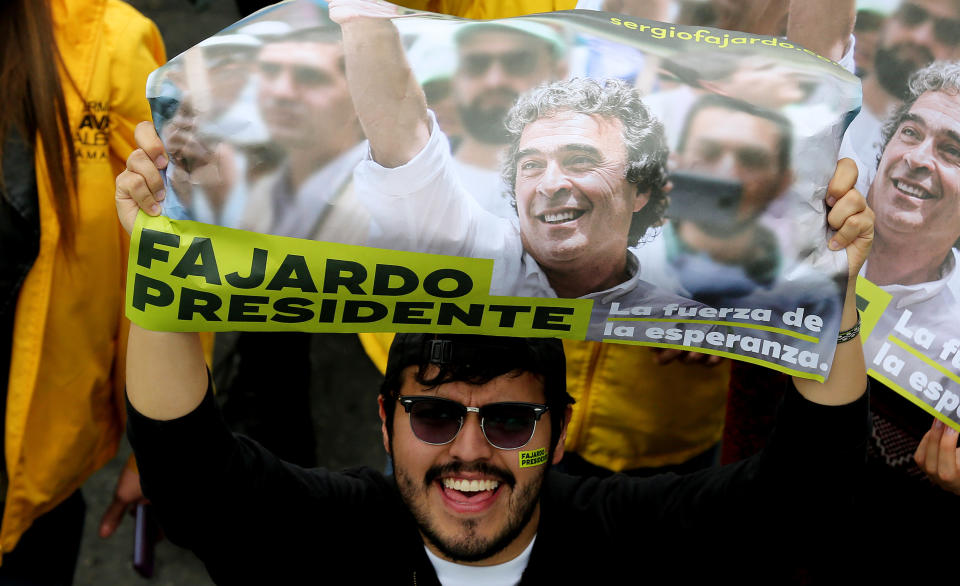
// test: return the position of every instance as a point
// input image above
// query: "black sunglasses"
(514, 63)
(946, 30)
(506, 426)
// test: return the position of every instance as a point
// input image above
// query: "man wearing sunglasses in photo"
(916, 34)
(496, 63)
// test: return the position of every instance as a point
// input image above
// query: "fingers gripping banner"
(505, 177)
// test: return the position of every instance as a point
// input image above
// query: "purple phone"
(145, 536)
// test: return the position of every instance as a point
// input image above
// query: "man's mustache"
(481, 101)
(920, 55)
(454, 468)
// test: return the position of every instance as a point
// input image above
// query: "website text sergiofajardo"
(710, 37)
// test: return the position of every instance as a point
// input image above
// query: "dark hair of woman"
(33, 101)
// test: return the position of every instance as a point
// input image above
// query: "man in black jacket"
(473, 496)
(473, 424)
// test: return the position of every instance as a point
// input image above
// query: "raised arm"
(389, 102)
(166, 373)
(853, 221)
(823, 26)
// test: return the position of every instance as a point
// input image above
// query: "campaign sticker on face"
(533, 458)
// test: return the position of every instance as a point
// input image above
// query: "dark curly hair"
(643, 136)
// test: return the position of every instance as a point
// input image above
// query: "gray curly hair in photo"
(643, 136)
(939, 76)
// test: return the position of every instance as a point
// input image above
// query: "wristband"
(847, 335)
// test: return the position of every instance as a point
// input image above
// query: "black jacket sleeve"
(797, 494)
(244, 512)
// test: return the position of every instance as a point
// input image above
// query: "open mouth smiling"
(912, 190)
(465, 495)
(560, 217)
(469, 489)
(470, 486)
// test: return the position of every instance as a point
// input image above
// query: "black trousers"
(264, 384)
(47, 552)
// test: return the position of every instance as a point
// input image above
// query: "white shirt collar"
(534, 275)
(906, 295)
(505, 574)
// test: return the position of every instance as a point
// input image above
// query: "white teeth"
(470, 485)
(912, 191)
(560, 217)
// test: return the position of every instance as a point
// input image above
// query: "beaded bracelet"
(847, 335)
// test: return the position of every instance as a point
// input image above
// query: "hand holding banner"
(676, 208)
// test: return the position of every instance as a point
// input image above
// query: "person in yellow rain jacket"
(74, 78)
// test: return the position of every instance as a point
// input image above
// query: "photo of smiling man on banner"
(916, 198)
(586, 164)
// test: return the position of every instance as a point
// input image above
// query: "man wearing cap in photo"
(496, 63)
(230, 62)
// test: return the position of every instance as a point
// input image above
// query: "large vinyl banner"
(577, 174)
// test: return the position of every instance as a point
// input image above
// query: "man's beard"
(467, 546)
(486, 123)
(894, 65)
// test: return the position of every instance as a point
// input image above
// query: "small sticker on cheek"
(533, 458)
